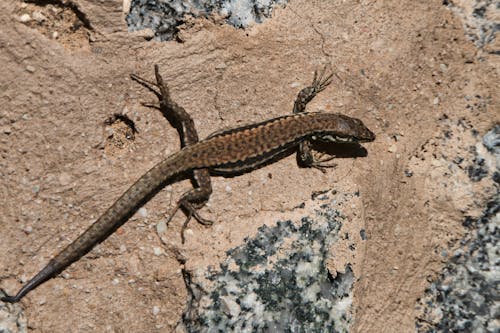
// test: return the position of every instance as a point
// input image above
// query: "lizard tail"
(116, 215)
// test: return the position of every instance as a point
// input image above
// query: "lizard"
(226, 152)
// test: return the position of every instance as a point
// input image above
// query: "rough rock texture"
(276, 282)
(481, 20)
(12, 318)
(466, 296)
(165, 17)
(74, 134)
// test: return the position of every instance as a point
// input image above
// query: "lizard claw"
(191, 212)
(322, 81)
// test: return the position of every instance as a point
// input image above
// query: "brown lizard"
(232, 151)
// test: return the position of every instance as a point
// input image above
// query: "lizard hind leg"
(196, 198)
(191, 212)
(163, 94)
(193, 200)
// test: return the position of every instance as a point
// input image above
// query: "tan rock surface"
(400, 67)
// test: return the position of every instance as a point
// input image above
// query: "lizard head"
(343, 129)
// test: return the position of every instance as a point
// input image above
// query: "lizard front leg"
(305, 156)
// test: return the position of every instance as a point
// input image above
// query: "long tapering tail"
(116, 215)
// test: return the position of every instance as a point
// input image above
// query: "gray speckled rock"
(466, 297)
(164, 16)
(12, 319)
(275, 282)
(480, 19)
